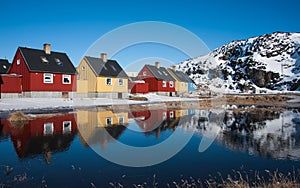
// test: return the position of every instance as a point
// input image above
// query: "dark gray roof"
(132, 78)
(160, 73)
(111, 68)
(187, 77)
(55, 62)
(179, 75)
(4, 66)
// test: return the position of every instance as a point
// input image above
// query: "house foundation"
(48, 94)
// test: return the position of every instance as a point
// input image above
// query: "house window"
(121, 120)
(59, 62)
(18, 62)
(182, 84)
(83, 68)
(171, 114)
(108, 121)
(44, 59)
(67, 126)
(164, 115)
(171, 84)
(48, 78)
(48, 128)
(108, 82)
(66, 79)
(121, 82)
(164, 84)
(144, 73)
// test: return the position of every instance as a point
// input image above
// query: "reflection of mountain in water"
(261, 132)
(42, 135)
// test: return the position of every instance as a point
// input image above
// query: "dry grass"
(237, 180)
(18, 119)
(138, 98)
(256, 99)
(272, 179)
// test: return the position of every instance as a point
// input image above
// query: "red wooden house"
(10, 84)
(158, 78)
(44, 73)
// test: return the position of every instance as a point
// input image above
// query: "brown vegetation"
(18, 119)
(138, 98)
(238, 180)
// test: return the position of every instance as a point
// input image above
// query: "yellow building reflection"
(100, 126)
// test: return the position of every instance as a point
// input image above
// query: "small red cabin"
(158, 78)
(44, 73)
(137, 86)
(10, 84)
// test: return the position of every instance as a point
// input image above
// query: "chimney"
(157, 64)
(174, 67)
(47, 48)
(104, 57)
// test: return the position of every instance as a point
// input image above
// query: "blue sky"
(72, 26)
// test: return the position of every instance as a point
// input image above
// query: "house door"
(170, 94)
(119, 95)
(65, 94)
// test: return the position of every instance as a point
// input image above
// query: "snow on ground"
(12, 104)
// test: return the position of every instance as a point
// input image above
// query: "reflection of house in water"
(99, 126)
(159, 120)
(149, 120)
(3, 135)
(42, 135)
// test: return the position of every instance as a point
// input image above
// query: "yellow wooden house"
(101, 77)
(181, 83)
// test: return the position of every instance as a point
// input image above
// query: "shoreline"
(40, 105)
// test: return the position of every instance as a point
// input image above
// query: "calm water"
(60, 150)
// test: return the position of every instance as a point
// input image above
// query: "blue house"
(191, 84)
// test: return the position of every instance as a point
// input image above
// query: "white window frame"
(68, 77)
(108, 119)
(110, 81)
(83, 68)
(48, 127)
(171, 114)
(164, 83)
(121, 82)
(18, 61)
(51, 78)
(121, 120)
(67, 129)
(171, 84)
(145, 73)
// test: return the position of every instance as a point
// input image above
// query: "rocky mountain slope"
(263, 63)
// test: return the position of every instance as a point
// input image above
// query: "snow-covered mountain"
(267, 62)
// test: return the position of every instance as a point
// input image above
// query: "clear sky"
(72, 26)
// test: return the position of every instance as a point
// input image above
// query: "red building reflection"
(41, 135)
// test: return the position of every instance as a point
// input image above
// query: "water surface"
(58, 150)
